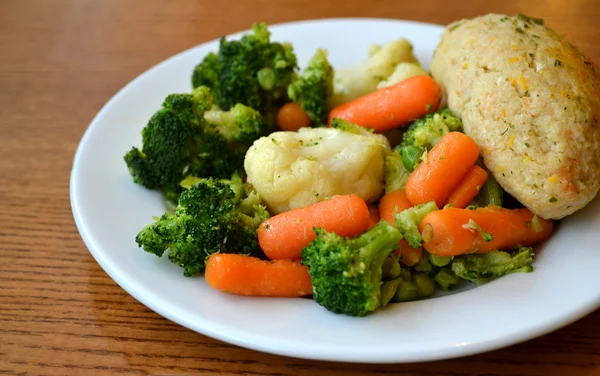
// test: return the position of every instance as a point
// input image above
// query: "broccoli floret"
(227, 137)
(424, 133)
(189, 135)
(239, 124)
(346, 273)
(428, 130)
(252, 71)
(484, 267)
(207, 72)
(169, 142)
(407, 221)
(312, 89)
(211, 216)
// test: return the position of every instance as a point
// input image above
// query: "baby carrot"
(390, 205)
(468, 188)
(393, 106)
(292, 117)
(284, 235)
(245, 275)
(443, 168)
(393, 203)
(454, 231)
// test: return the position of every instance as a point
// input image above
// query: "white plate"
(110, 209)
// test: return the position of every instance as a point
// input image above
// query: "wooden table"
(60, 314)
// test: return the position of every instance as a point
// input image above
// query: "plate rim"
(145, 298)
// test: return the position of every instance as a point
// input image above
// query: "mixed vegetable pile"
(353, 187)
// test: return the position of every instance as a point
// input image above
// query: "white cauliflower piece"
(401, 73)
(296, 169)
(353, 82)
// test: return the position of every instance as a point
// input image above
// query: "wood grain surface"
(60, 61)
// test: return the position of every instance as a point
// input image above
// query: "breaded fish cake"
(531, 101)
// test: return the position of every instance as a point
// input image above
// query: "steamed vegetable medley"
(352, 187)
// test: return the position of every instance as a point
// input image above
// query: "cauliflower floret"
(401, 73)
(296, 169)
(356, 81)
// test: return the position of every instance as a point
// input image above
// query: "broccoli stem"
(388, 290)
(425, 285)
(407, 221)
(411, 155)
(391, 268)
(484, 267)
(491, 193)
(406, 291)
(380, 237)
(439, 260)
(446, 280)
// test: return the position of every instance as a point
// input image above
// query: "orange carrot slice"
(442, 170)
(390, 205)
(453, 231)
(468, 188)
(393, 106)
(284, 235)
(245, 275)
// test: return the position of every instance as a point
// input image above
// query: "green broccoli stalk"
(491, 193)
(446, 279)
(484, 267)
(406, 291)
(424, 133)
(252, 71)
(211, 216)
(407, 221)
(346, 273)
(395, 173)
(312, 89)
(189, 135)
(439, 261)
